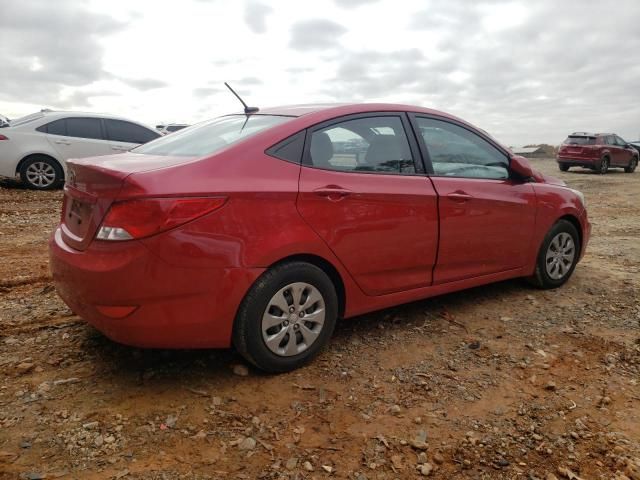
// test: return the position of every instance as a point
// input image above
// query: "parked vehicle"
(171, 127)
(250, 230)
(597, 151)
(35, 148)
(635, 144)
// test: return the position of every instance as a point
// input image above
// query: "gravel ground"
(502, 381)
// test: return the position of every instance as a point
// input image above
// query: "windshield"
(210, 136)
(580, 140)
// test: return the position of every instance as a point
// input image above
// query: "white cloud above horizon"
(528, 72)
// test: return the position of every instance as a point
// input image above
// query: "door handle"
(120, 149)
(332, 192)
(62, 142)
(459, 197)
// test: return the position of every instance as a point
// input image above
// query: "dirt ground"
(502, 381)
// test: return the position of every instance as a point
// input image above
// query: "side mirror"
(521, 167)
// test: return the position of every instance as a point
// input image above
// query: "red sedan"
(261, 230)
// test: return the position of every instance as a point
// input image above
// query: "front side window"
(457, 152)
(372, 144)
(121, 131)
(209, 137)
(84, 128)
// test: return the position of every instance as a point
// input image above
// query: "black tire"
(632, 165)
(541, 277)
(603, 168)
(563, 167)
(247, 330)
(51, 175)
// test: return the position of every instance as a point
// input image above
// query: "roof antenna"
(247, 110)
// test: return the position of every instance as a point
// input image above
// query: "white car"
(35, 148)
(171, 127)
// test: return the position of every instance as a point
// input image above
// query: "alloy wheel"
(560, 255)
(41, 174)
(293, 319)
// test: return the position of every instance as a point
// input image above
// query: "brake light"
(2, 137)
(132, 219)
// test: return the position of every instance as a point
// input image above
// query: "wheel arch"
(327, 267)
(31, 155)
(572, 219)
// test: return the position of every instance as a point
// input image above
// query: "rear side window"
(289, 149)
(84, 128)
(580, 140)
(121, 131)
(455, 151)
(209, 137)
(57, 127)
(371, 144)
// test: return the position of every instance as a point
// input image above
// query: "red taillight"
(141, 218)
(2, 137)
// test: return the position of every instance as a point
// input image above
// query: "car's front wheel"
(563, 167)
(287, 317)
(632, 165)
(41, 173)
(558, 256)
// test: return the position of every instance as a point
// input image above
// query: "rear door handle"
(459, 197)
(62, 142)
(120, 149)
(332, 192)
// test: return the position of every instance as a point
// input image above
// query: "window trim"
(416, 154)
(414, 116)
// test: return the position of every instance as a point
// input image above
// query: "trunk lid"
(93, 184)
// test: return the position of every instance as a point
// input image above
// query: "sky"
(526, 71)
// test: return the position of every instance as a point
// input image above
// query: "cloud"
(50, 46)
(255, 16)
(203, 92)
(144, 83)
(354, 3)
(250, 81)
(315, 34)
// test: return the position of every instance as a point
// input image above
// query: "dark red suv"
(597, 151)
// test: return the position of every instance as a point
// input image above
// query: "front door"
(486, 218)
(364, 194)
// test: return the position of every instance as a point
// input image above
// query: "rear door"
(363, 190)
(123, 136)
(486, 218)
(77, 137)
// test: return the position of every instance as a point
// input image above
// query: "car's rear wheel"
(41, 173)
(632, 165)
(604, 165)
(558, 256)
(563, 167)
(287, 317)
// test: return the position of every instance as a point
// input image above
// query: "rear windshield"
(580, 140)
(208, 137)
(26, 119)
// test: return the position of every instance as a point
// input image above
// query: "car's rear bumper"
(175, 307)
(578, 161)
